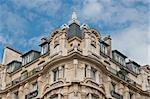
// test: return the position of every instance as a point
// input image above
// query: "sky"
(24, 22)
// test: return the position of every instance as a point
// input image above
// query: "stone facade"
(74, 66)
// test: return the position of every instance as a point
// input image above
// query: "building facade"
(75, 62)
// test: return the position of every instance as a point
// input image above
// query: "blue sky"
(24, 22)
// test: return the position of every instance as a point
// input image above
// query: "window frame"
(56, 74)
(45, 49)
(93, 72)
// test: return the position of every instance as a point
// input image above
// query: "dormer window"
(45, 48)
(30, 56)
(119, 57)
(12, 66)
(104, 47)
(133, 66)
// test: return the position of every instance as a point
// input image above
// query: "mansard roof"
(30, 52)
(116, 51)
(74, 30)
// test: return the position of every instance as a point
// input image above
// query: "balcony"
(25, 76)
(122, 76)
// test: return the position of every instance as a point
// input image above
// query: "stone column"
(40, 86)
(90, 96)
(75, 63)
(21, 94)
(107, 85)
(59, 96)
(126, 93)
(26, 89)
(65, 92)
(8, 96)
(83, 95)
(138, 96)
(134, 97)
(97, 77)
(51, 77)
(120, 89)
(88, 71)
(60, 72)
(83, 92)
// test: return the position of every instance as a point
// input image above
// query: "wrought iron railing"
(25, 76)
(122, 76)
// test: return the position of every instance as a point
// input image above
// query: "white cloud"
(111, 12)
(49, 7)
(11, 22)
(129, 20)
(134, 43)
(91, 9)
(2, 40)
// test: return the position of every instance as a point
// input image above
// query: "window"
(13, 66)
(85, 70)
(71, 45)
(113, 86)
(93, 73)
(120, 59)
(63, 70)
(34, 87)
(44, 49)
(59, 72)
(148, 80)
(103, 49)
(56, 74)
(135, 68)
(30, 56)
(27, 59)
(16, 95)
(90, 72)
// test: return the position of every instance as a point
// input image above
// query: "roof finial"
(74, 16)
(74, 19)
